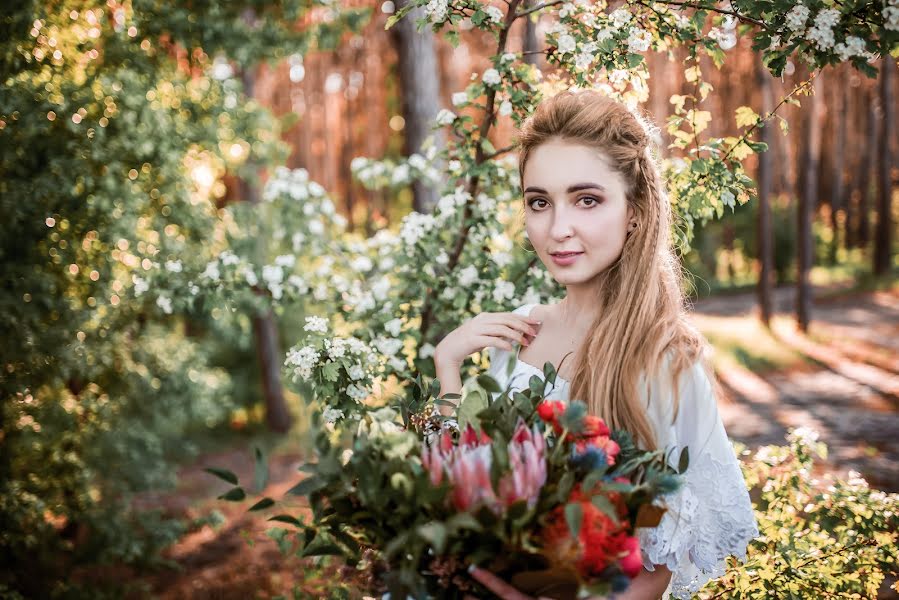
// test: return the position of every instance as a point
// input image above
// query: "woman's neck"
(577, 310)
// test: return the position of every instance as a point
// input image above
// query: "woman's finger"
(497, 585)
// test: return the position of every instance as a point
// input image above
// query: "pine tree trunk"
(837, 189)
(883, 234)
(867, 182)
(420, 85)
(765, 178)
(811, 154)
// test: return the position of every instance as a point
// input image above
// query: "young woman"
(598, 217)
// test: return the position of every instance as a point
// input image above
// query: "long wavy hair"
(640, 332)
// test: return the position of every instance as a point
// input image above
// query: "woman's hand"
(499, 587)
(502, 588)
(485, 329)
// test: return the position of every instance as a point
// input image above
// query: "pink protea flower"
(467, 468)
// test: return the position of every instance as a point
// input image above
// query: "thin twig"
(715, 9)
(525, 13)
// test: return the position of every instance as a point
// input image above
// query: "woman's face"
(574, 202)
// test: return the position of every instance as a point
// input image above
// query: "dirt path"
(848, 392)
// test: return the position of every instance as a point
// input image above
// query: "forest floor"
(842, 379)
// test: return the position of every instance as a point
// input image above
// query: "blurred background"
(126, 133)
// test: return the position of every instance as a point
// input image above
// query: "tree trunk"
(837, 189)
(765, 177)
(811, 155)
(265, 330)
(530, 47)
(883, 234)
(420, 90)
(867, 185)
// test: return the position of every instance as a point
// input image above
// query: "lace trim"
(708, 519)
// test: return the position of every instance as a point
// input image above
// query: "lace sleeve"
(710, 517)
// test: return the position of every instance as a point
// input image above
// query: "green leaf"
(549, 372)
(463, 521)
(262, 504)
(573, 516)
(233, 495)
(605, 505)
(261, 470)
(489, 384)
(435, 534)
(223, 474)
(746, 117)
(307, 486)
(684, 460)
(287, 519)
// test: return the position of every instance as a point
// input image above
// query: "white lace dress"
(711, 516)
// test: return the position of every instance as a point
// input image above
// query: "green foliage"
(818, 539)
(112, 136)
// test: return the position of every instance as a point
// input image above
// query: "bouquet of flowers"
(537, 491)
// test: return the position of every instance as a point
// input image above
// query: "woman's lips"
(565, 259)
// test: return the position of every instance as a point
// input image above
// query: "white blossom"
(468, 275)
(821, 33)
(426, 350)
(508, 57)
(567, 43)
(491, 77)
(174, 266)
(460, 98)
(414, 226)
(638, 40)
(494, 14)
(505, 108)
(583, 61)
(620, 17)
(316, 324)
(797, 18)
(393, 327)
(141, 285)
(356, 372)
(445, 117)
(417, 161)
(891, 16)
(249, 274)
(302, 360)
(356, 392)
(803, 435)
(286, 260)
(442, 258)
(854, 46)
(504, 290)
(361, 264)
(165, 304)
(566, 9)
(316, 227)
(435, 10)
(272, 275)
(331, 414)
(454, 166)
(212, 271)
(228, 258)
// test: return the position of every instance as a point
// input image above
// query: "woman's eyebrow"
(573, 188)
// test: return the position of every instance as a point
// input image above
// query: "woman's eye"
(594, 201)
(533, 201)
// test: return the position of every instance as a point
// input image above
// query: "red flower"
(600, 542)
(632, 562)
(551, 410)
(595, 427)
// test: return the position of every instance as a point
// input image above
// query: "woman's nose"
(562, 225)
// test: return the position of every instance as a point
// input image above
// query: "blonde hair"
(641, 325)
